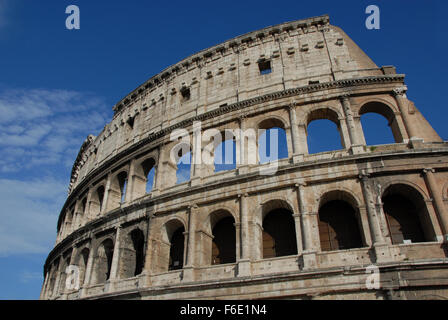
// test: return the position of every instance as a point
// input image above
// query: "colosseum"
(363, 222)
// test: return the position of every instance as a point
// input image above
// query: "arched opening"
(279, 233)
(323, 131)
(100, 196)
(379, 124)
(53, 274)
(117, 191)
(225, 156)
(83, 259)
(149, 172)
(63, 276)
(183, 172)
(407, 215)
(177, 249)
(122, 178)
(339, 225)
(224, 241)
(96, 201)
(68, 221)
(132, 254)
(103, 262)
(272, 141)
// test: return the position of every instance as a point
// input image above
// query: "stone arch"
(183, 165)
(218, 238)
(63, 274)
(97, 200)
(117, 191)
(144, 176)
(173, 245)
(325, 113)
(278, 234)
(268, 126)
(411, 184)
(272, 121)
(212, 160)
(132, 254)
(383, 108)
(102, 263)
(81, 261)
(53, 276)
(69, 220)
(339, 221)
(407, 215)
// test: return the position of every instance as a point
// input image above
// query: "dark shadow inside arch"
(407, 215)
(177, 249)
(338, 226)
(103, 262)
(224, 241)
(138, 245)
(279, 235)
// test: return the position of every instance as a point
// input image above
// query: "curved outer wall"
(317, 72)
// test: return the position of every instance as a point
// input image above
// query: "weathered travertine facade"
(308, 232)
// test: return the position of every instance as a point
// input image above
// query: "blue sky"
(57, 86)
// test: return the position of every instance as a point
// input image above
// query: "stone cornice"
(295, 92)
(232, 44)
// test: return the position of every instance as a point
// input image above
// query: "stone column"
(106, 194)
(374, 221)
(191, 246)
(241, 152)
(403, 105)
(238, 241)
(86, 214)
(58, 276)
(297, 151)
(434, 189)
(298, 219)
(307, 220)
(355, 139)
(244, 267)
(116, 255)
(131, 182)
(196, 154)
(244, 227)
(303, 141)
(89, 269)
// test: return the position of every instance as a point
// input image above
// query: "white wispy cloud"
(46, 126)
(29, 214)
(41, 132)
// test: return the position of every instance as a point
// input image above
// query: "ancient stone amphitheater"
(321, 227)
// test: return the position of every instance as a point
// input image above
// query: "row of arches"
(323, 131)
(377, 125)
(108, 196)
(339, 228)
